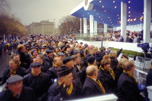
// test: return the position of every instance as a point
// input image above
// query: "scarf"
(39, 51)
(54, 65)
(99, 83)
(79, 67)
(69, 89)
(12, 72)
(130, 75)
(55, 55)
(19, 63)
(111, 72)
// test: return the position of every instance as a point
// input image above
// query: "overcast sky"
(29, 11)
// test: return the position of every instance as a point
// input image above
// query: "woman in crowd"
(106, 75)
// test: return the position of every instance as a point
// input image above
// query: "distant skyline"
(29, 11)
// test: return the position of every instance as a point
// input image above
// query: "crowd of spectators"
(131, 37)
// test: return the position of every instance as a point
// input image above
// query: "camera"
(145, 47)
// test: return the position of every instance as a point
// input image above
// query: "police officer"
(17, 57)
(61, 54)
(68, 61)
(65, 88)
(44, 64)
(15, 90)
(92, 86)
(49, 57)
(67, 51)
(52, 72)
(38, 81)
(34, 53)
(80, 69)
(12, 70)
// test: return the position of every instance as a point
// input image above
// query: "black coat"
(71, 52)
(149, 78)
(118, 72)
(138, 40)
(45, 66)
(39, 84)
(76, 77)
(108, 82)
(91, 88)
(66, 54)
(52, 73)
(121, 40)
(25, 59)
(27, 94)
(114, 63)
(56, 92)
(49, 60)
(81, 73)
(148, 81)
(128, 89)
(6, 74)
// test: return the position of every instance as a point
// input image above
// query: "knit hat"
(63, 71)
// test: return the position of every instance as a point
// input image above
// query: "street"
(4, 59)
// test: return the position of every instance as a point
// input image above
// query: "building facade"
(43, 27)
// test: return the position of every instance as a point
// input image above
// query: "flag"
(9, 39)
(14, 37)
(4, 37)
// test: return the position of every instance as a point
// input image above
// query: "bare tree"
(4, 6)
(11, 25)
(69, 24)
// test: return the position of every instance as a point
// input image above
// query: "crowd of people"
(54, 68)
(131, 37)
(10, 44)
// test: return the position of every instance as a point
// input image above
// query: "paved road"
(4, 59)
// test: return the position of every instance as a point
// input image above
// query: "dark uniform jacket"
(76, 78)
(71, 52)
(148, 81)
(25, 60)
(58, 93)
(67, 54)
(91, 88)
(128, 89)
(49, 60)
(27, 94)
(118, 72)
(6, 74)
(81, 73)
(114, 63)
(149, 78)
(39, 84)
(108, 82)
(52, 73)
(45, 66)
